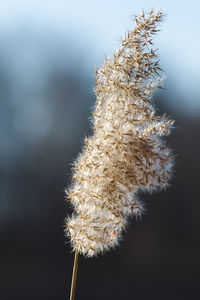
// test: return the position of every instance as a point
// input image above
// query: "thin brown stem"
(74, 276)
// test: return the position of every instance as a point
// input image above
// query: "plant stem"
(74, 275)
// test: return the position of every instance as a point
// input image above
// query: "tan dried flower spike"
(125, 153)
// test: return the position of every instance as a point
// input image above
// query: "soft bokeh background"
(48, 53)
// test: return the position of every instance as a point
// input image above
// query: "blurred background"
(48, 54)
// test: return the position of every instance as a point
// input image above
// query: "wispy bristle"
(125, 153)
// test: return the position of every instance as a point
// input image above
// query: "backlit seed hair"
(125, 154)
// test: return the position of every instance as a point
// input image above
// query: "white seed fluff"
(125, 154)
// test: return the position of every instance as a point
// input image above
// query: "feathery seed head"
(125, 154)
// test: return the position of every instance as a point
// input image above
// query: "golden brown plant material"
(125, 154)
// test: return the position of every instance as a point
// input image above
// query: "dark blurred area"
(45, 109)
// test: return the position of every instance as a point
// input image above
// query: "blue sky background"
(75, 31)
